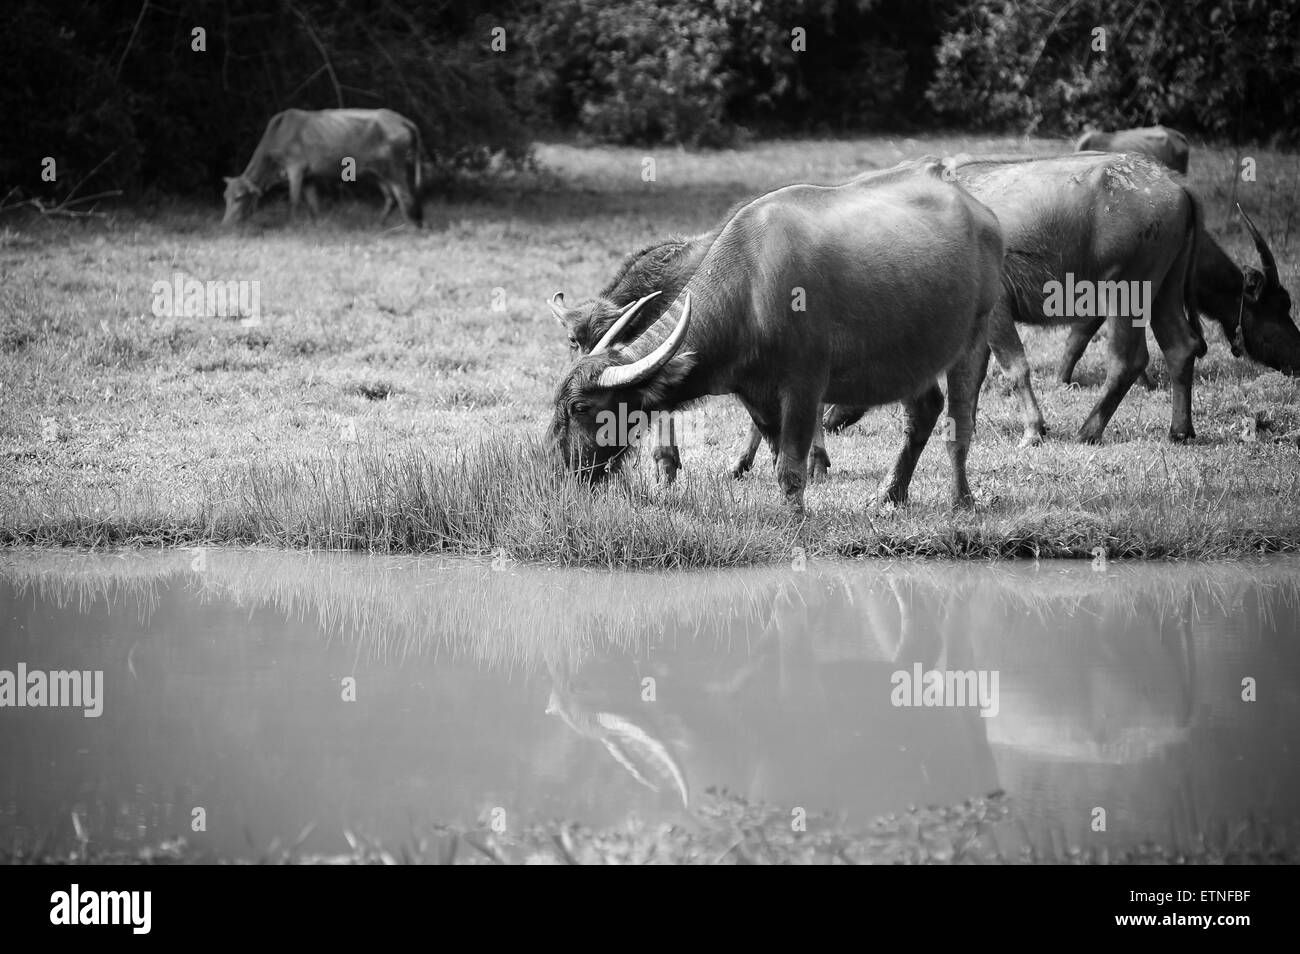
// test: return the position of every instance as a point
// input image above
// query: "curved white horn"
(609, 337)
(626, 375)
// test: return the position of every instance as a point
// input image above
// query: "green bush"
(640, 72)
(1228, 68)
(685, 71)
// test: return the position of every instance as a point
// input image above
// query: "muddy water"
(379, 695)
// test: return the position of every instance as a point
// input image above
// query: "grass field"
(395, 390)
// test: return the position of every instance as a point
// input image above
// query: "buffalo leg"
(964, 381)
(919, 414)
(747, 454)
(1010, 352)
(1080, 335)
(761, 428)
(1127, 345)
(668, 460)
(1180, 349)
(798, 425)
(819, 462)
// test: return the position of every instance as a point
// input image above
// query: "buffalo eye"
(579, 407)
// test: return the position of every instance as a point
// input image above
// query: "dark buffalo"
(1100, 219)
(662, 267)
(897, 271)
(1251, 306)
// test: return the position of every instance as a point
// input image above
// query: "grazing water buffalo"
(1081, 223)
(1164, 145)
(864, 292)
(1251, 306)
(663, 267)
(299, 146)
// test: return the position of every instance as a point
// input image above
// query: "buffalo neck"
(1219, 285)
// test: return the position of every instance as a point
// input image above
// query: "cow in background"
(1166, 146)
(301, 145)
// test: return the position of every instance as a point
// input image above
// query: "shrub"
(1224, 67)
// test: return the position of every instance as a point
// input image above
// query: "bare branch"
(329, 66)
(131, 39)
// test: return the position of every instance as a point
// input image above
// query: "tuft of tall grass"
(504, 497)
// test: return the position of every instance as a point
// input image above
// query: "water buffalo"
(301, 145)
(662, 267)
(1251, 306)
(1162, 144)
(864, 292)
(1090, 219)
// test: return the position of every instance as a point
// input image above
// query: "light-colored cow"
(301, 145)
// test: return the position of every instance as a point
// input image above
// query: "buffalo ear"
(556, 303)
(1254, 282)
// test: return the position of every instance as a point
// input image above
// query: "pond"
(265, 692)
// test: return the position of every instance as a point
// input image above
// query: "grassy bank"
(393, 393)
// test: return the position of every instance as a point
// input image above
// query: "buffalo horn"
(609, 337)
(1271, 279)
(627, 375)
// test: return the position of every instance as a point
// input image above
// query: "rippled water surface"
(382, 694)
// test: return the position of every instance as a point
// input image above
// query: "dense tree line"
(171, 96)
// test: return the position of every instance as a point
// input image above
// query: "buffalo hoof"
(1030, 439)
(889, 499)
(819, 462)
(1088, 436)
(741, 467)
(1181, 437)
(667, 463)
(1147, 381)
